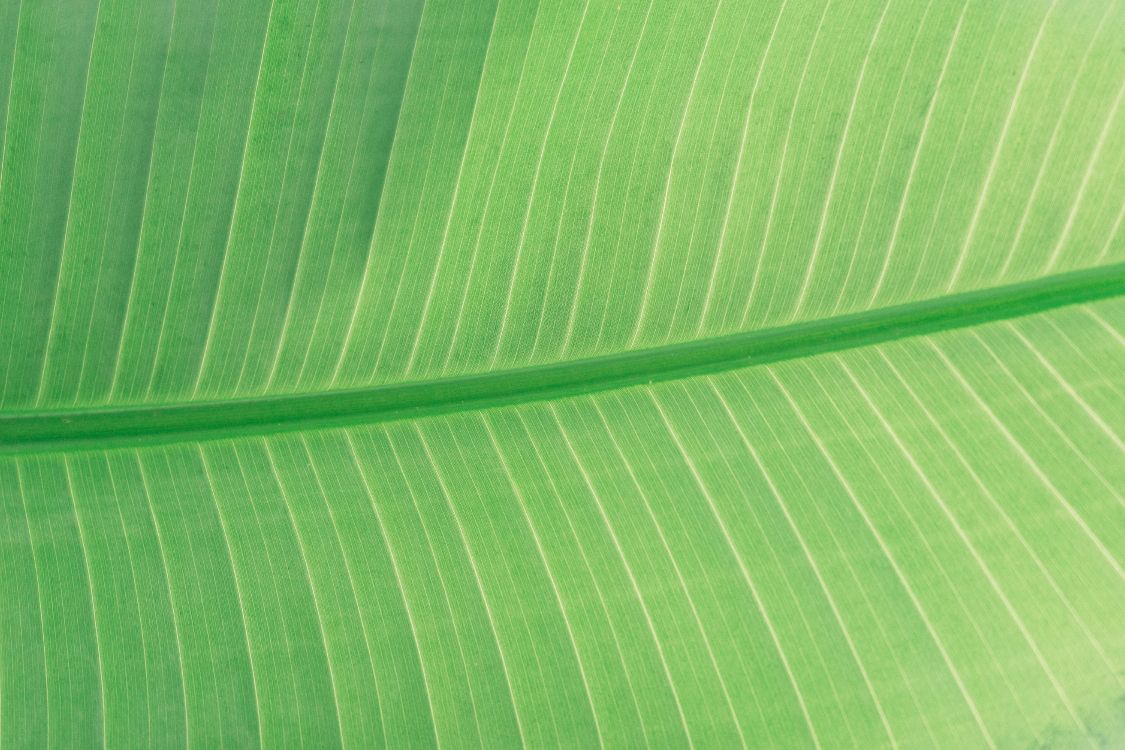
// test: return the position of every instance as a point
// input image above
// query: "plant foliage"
(497, 372)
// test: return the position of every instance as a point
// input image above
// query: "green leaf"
(495, 372)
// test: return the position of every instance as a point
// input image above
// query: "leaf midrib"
(92, 428)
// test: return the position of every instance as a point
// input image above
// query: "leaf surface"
(660, 373)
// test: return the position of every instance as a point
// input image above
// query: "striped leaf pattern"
(456, 373)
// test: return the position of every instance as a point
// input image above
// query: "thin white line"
(812, 563)
(951, 160)
(144, 210)
(964, 537)
(453, 620)
(1056, 252)
(338, 221)
(917, 156)
(390, 162)
(39, 600)
(662, 489)
(923, 538)
(237, 197)
(1046, 417)
(535, 186)
(93, 597)
(273, 579)
(1112, 233)
(784, 508)
(477, 577)
(339, 202)
(1066, 386)
(11, 86)
(1012, 527)
(707, 159)
(1105, 325)
(540, 674)
(351, 585)
(69, 205)
(30, 212)
(237, 586)
(1071, 511)
(781, 171)
(421, 193)
(399, 584)
(580, 281)
(312, 586)
(721, 246)
(297, 275)
(145, 660)
(741, 565)
(1048, 153)
(877, 170)
(1108, 380)
(891, 560)
(104, 232)
(614, 250)
(586, 120)
(426, 305)
(823, 223)
(196, 581)
(997, 150)
(796, 470)
(547, 721)
(486, 208)
(552, 255)
(654, 259)
(547, 568)
(155, 358)
(641, 724)
(694, 676)
(651, 626)
(675, 569)
(249, 336)
(171, 597)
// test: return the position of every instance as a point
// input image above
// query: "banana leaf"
(488, 373)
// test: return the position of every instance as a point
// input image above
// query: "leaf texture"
(495, 373)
